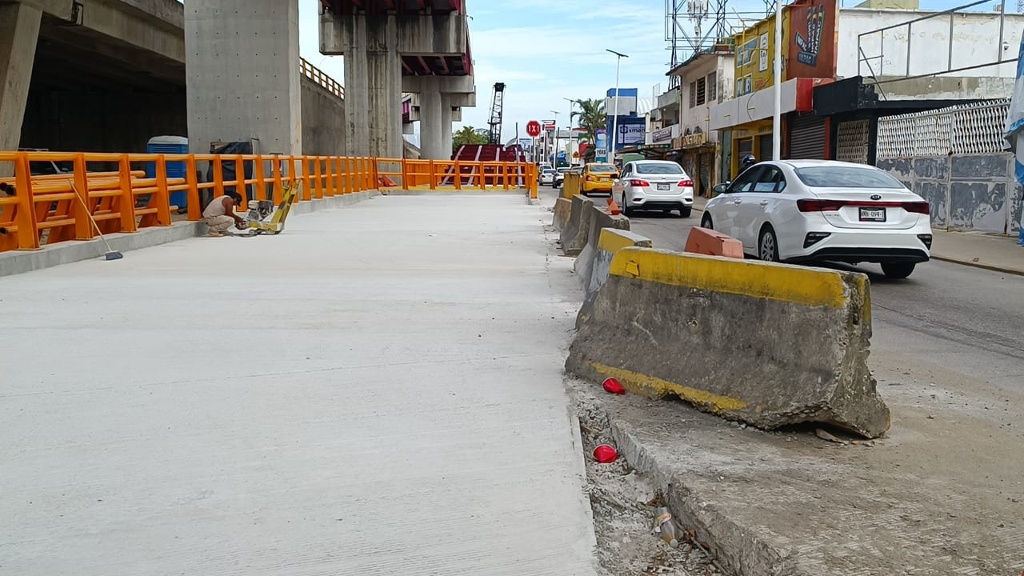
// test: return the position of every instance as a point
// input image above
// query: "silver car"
(654, 185)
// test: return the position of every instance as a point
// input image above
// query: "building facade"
(705, 80)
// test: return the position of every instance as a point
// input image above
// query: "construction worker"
(220, 213)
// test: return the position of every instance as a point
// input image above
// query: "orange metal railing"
(43, 209)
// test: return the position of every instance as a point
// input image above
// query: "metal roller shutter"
(744, 147)
(765, 147)
(807, 137)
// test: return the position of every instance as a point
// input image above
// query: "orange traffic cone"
(613, 207)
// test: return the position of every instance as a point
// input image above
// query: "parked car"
(598, 177)
(560, 176)
(547, 176)
(823, 210)
(654, 185)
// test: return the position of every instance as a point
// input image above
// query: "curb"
(989, 267)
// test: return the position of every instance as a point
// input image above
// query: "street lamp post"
(615, 119)
(569, 151)
(777, 71)
(554, 151)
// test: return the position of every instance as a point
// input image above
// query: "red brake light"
(808, 205)
(589, 177)
(638, 182)
(917, 208)
(685, 183)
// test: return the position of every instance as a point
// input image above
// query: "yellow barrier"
(42, 210)
(572, 185)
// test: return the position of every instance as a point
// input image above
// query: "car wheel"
(685, 212)
(706, 222)
(768, 245)
(898, 270)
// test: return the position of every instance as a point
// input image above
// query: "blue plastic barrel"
(169, 145)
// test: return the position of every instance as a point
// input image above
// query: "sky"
(548, 50)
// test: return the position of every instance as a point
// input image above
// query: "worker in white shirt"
(220, 213)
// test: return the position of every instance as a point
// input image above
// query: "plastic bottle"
(665, 527)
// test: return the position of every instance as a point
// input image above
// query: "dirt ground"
(942, 493)
(624, 502)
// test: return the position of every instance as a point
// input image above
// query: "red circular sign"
(533, 128)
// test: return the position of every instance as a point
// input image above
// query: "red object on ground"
(713, 243)
(384, 181)
(613, 386)
(605, 454)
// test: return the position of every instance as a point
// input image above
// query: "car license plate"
(872, 214)
(663, 186)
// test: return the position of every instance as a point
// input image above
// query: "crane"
(495, 121)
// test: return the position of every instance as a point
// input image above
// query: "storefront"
(852, 109)
(753, 138)
(697, 157)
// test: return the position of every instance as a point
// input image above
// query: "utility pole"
(569, 151)
(615, 119)
(777, 113)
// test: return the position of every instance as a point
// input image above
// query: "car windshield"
(602, 169)
(846, 177)
(658, 168)
(549, 171)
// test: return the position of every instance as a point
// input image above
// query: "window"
(770, 180)
(702, 91)
(602, 168)
(659, 168)
(713, 87)
(846, 177)
(693, 94)
(746, 181)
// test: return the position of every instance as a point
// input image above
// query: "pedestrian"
(220, 213)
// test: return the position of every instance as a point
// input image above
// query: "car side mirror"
(722, 188)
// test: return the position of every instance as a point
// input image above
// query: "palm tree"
(591, 118)
(470, 135)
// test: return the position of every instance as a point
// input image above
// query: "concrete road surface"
(376, 391)
(961, 318)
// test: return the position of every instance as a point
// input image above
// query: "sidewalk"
(376, 391)
(990, 251)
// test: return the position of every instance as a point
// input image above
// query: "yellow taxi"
(598, 177)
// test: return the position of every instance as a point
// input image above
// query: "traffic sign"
(533, 128)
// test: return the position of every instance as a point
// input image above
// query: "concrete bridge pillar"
(243, 76)
(19, 33)
(373, 45)
(440, 93)
(446, 125)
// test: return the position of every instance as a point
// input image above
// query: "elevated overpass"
(218, 70)
(395, 46)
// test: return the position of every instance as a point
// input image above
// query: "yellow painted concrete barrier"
(767, 344)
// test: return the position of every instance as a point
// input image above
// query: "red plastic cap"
(612, 385)
(605, 454)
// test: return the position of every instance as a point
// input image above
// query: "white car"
(654, 185)
(547, 177)
(820, 210)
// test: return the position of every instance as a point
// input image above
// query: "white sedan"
(821, 210)
(547, 177)
(654, 185)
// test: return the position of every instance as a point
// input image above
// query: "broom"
(111, 253)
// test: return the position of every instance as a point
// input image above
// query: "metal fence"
(321, 78)
(975, 128)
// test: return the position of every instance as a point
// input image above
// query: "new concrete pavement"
(376, 391)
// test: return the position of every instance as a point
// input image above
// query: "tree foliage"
(470, 135)
(591, 118)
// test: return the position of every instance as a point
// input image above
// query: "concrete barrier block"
(563, 207)
(574, 236)
(767, 344)
(712, 243)
(599, 220)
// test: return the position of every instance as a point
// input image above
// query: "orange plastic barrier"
(713, 243)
